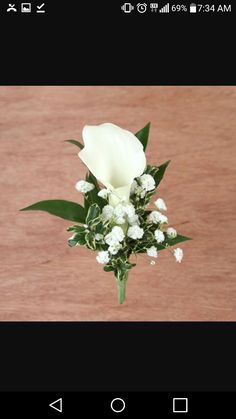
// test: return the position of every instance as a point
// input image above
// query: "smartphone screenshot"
(117, 155)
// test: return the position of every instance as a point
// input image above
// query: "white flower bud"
(133, 187)
(98, 237)
(83, 186)
(115, 236)
(103, 193)
(129, 210)
(147, 182)
(119, 210)
(159, 236)
(171, 233)
(103, 257)
(114, 248)
(140, 191)
(133, 220)
(135, 232)
(156, 217)
(160, 204)
(119, 220)
(107, 212)
(178, 254)
(152, 252)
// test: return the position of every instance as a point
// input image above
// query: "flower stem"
(121, 280)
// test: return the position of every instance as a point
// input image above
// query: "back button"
(57, 405)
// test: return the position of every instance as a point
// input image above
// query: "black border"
(117, 356)
(70, 47)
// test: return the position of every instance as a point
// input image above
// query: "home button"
(117, 405)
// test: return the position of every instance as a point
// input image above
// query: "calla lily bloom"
(114, 156)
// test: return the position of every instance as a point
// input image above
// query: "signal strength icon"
(165, 9)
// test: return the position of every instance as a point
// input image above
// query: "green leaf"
(129, 265)
(72, 242)
(100, 246)
(92, 196)
(91, 178)
(93, 213)
(78, 238)
(90, 241)
(75, 228)
(99, 227)
(143, 134)
(108, 268)
(177, 239)
(75, 142)
(172, 242)
(142, 247)
(161, 170)
(151, 170)
(121, 258)
(60, 208)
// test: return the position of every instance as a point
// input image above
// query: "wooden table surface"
(41, 278)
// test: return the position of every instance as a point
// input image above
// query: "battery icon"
(193, 8)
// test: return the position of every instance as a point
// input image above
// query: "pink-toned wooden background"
(41, 278)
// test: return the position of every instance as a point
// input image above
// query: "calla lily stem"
(121, 286)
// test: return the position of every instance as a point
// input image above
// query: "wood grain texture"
(43, 279)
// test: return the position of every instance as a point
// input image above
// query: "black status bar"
(129, 8)
(97, 43)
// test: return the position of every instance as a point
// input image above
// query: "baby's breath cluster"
(116, 232)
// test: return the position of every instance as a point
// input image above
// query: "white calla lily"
(114, 156)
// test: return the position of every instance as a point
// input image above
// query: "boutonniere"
(115, 220)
